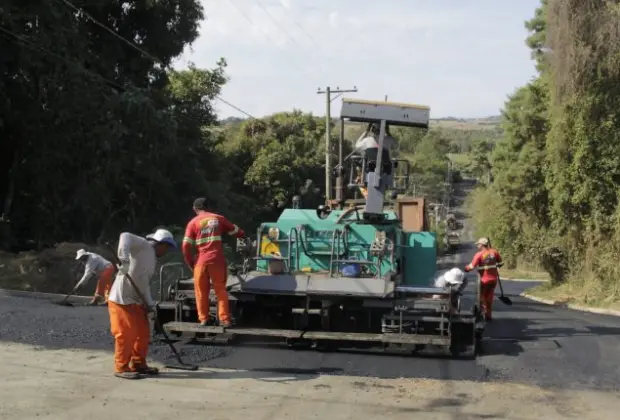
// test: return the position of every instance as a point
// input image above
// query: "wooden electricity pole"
(328, 128)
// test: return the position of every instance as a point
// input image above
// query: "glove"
(123, 267)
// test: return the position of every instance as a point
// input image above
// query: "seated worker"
(368, 147)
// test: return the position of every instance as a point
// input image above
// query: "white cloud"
(447, 54)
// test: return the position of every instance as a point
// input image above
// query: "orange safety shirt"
(486, 261)
(204, 232)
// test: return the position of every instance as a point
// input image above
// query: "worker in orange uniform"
(96, 266)
(204, 233)
(129, 304)
(486, 261)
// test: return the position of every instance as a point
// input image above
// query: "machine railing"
(400, 171)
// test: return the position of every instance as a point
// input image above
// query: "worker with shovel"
(130, 300)
(486, 261)
(96, 265)
(204, 233)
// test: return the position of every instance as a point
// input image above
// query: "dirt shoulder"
(53, 270)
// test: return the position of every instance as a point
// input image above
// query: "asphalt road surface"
(538, 362)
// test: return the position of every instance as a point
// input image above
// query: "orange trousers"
(205, 274)
(130, 327)
(104, 284)
(487, 294)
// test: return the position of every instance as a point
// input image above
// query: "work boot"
(96, 300)
(147, 370)
(207, 323)
(127, 375)
(225, 324)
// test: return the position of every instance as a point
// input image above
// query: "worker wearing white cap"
(128, 315)
(486, 261)
(96, 265)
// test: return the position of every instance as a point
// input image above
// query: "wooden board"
(412, 212)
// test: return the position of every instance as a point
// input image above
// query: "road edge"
(581, 308)
(41, 295)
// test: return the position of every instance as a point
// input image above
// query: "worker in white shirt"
(455, 281)
(96, 265)
(368, 146)
(129, 320)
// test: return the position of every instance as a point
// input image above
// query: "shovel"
(504, 299)
(65, 301)
(181, 364)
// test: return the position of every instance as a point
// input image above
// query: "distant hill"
(484, 123)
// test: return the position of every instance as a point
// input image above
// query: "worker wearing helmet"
(96, 265)
(487, 261)
(128, 315)
(204, 234)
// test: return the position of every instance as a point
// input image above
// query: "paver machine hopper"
(346, 274)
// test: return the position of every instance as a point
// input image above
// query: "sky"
(460, 57)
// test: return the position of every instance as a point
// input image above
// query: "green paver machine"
(351, 273)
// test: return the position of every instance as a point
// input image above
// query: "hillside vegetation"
(553, 197)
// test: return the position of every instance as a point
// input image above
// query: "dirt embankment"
(52, 270)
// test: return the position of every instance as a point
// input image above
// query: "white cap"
(454, 276)
(163, 235)
(80, 254)
(483, 241)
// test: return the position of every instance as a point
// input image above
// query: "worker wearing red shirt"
(204, 232)
(486, 260)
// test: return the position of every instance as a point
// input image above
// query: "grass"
(519, 274)
(461, 160)
(569, 293)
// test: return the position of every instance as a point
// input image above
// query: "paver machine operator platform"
(355, 276)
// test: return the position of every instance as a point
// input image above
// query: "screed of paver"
(61, 384)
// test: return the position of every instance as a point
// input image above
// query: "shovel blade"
(506, 300)
(183, 367)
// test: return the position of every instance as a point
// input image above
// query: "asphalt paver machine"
(350, 273)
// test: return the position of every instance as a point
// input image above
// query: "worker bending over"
(96, 265)
(129, 306)
(455, 281)
(204, 233)
(486, 261)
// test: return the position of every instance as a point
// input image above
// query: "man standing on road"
(129, 320)
(487, 261)
(96, 265)
(204, 232)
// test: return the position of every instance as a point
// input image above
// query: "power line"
(301, 28)
(277, 23)
(242, 13)
(137, 48)
(23, 41)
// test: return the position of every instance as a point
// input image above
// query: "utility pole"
(328, 128)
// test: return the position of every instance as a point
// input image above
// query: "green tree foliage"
(556, 171)
(98, 136)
